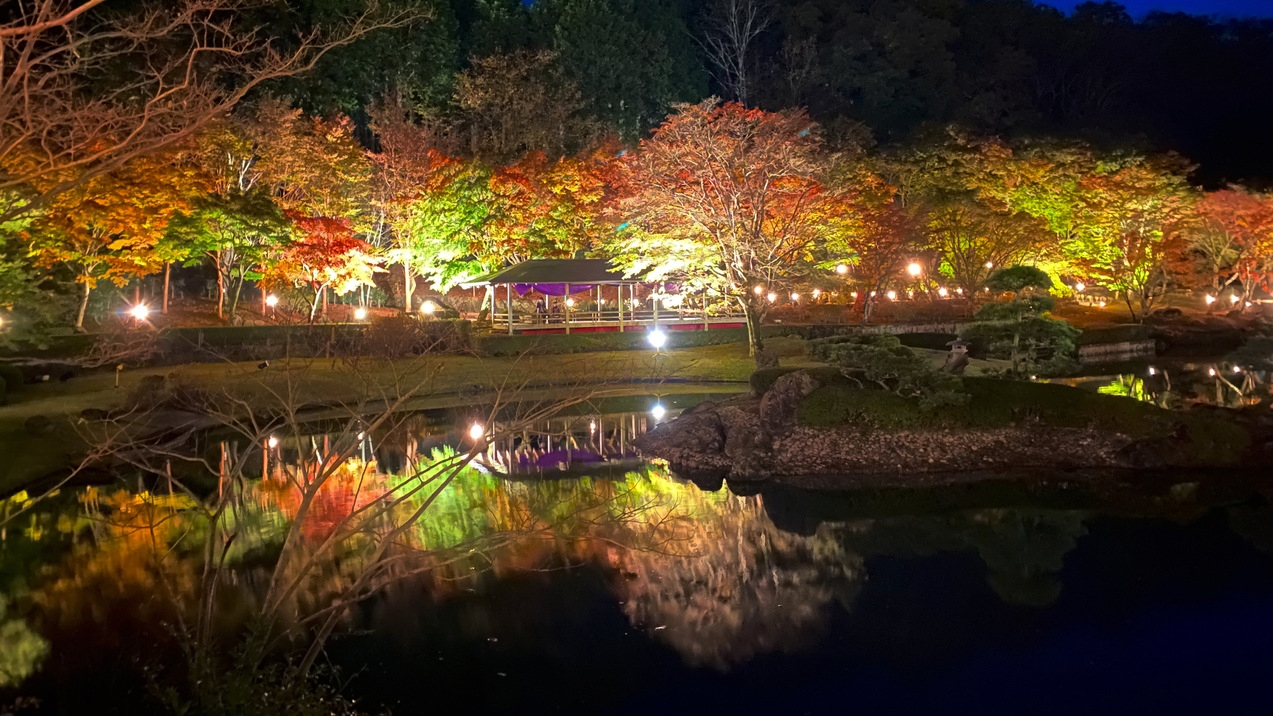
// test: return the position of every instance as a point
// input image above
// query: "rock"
(781, 403)
(693, 441)
(38, 425)
(766, 358)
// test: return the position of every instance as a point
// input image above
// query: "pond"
(557, 572)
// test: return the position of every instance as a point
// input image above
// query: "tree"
(1233, 238)
(974, 236)
(325, 255)
(83, 91)
(1130, 208)
(731, 30)
(236, 234)
(1021, 329)
(519, 102)
(107, 228)
(543, 209)
(725, 199)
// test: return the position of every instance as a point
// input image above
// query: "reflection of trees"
(1254, 523)
(732, 586)
(1023, 549)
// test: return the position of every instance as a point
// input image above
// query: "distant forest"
(881, 71)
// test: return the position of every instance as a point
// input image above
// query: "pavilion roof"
(554, 271)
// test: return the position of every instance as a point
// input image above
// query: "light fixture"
(1237, 369)
(1248, 304)
(892, 295)
(272, 442)
(841, 269)
(570, 302)
(817, 292)
(854, 294)
(910, 294)
(141, 312)
(990, 264)
(1233, 298)
(1211, 372)
(1079, 287)
(960, 291)
(360, 314)
(476, 431)
(1210, 299)
(941, 291)
(428, 308)
(658, 411)
(914, 269)
(1153, 370)
(795, 297)
(657, 339)
(1102, 304)
(772, 297)
(758, 290)
(271, 300)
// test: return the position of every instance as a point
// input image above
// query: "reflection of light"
(1210, 299)
(758, 290)
(272, 442)
(1152, 370)
(942, 292)
(658, 411)
(140, 312)
(1079, 286)
(772, 297)
(592, 426)
(914, 269)
(892, 295)
(657, 339)
(1102, 304)
(841, 269)
(570, 302)
(795, 297)
(271, 300)
(476, 431)
(910, 294)
(428, 307)
(360, 314)
(1211, 371)
(1237, 369)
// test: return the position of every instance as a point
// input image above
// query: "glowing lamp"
(772, 297)
(272, 442)
(892, 295)
(1237, 369)
(960, 291)
(1102, 304)
(658, 411)
(990, 264)
(476, 431)
(854, 294)
(271, 300)
(1233, 298)
(841, 269)
(942, 292)
(795, 297)
(1211, 372)
(816, 293)
(570, 303)
(141, 312)
(1153, 370)
(428, 308)
(758, 290)
(1210, 299)
(360, 314)
(914, 269)
(657, 339)
(1079, 287)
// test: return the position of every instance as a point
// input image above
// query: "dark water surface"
(585, 581)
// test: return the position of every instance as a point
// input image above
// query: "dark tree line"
(885, 69)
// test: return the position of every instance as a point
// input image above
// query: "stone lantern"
(957, 359)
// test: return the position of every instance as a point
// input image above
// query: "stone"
(694, 441)
(781, 403)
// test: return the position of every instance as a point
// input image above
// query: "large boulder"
(694, 441)
(781, 403)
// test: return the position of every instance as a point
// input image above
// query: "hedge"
(558, 343)
(1126, 333)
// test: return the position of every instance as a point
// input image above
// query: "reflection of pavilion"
(564, 295)
(568, 445)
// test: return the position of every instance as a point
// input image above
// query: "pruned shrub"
(882, 362)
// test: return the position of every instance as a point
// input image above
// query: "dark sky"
(1138, 8)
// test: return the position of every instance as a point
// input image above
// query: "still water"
(560, 573)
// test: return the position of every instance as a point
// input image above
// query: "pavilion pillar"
(510, 308)
(600, 314)
(565, 302)
(618, 299)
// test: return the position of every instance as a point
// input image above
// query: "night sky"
(1138, 8)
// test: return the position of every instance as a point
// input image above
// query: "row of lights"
(1233, 298)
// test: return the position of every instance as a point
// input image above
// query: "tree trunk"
(408, 289)
(220, 290)
(323, 293)
(313, 306)
(167, 283)
(753, 316)
(79, 319)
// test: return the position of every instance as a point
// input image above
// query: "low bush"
(1129, 333)
(839, 403)
(12, 376)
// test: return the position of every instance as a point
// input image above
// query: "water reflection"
(1184, 385)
